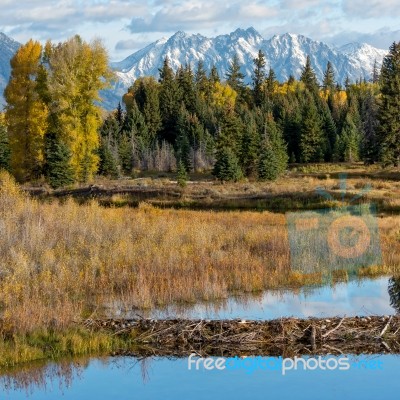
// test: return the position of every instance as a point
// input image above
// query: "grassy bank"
(63, 261)
(295, 191)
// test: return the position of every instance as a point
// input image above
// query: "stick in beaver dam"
(279, 337)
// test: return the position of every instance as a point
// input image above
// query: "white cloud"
(129, 24)
(371, 8)
(201, 15)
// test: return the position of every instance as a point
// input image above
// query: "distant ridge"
(8, 47)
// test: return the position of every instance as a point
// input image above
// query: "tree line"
(190, 120)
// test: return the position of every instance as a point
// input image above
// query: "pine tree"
(308, 77)
(259, 78)
(214, 76)
(170, 101)
(347, 83)
(187, 88)
(108, 165)
(201, 79)
(268, 164)
(227, 167)
(183, 149)
(234, 76)
(5, 152)
(389, 130)
(125, 153)
(145, 93)
(349, 142)
(369, 141)
(59, 171)
(329, 129)
(329, 78)
(273, 142)
(249, 147)
(375, 73)
(182, 175)
(271, 81)
(311, 136)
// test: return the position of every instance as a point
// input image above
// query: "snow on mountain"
(362, 56)
(8, 47)
(286, 54)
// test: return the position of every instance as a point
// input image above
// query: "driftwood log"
(279, 337)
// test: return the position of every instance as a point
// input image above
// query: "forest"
(54, 128)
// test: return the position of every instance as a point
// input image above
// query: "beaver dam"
(286, 336)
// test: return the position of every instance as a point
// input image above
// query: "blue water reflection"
(171, 379)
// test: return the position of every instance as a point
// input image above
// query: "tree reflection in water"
(47, 376)
(41, 376)
(394, 293)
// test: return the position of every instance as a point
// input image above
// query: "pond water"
(171, 379)
(358, 297)
(162, 378)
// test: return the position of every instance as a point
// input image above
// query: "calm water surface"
(171, 379)
(161, 378)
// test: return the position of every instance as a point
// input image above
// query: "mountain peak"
(179, 35)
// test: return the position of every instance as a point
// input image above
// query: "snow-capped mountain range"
(286, 54)
(8, 47)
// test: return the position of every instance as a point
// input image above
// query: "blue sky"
(128, 25)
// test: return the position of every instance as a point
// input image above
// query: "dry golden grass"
(59, 259)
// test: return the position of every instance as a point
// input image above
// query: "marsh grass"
(46, 344)
(60, 260)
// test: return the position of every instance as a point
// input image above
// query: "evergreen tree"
(329, 78)
(375, 73)
(125, 153)
(389, 130)
(268, 164)
(349, 142)
(259, 78)
(369, 141)
(170, 101)
(311, 136)
(271, 81)
(249, 149)
(5, 152)
(308, 77)
(119, 115)
(201, 78)
(291, 130)
(227, 167)
(145, 93)
(273, 141)
(58, 168)
(347, 83)
(183, 149)
(187, 88)
(234, 76)
(214, 76)
(108, 165)
(182, 175)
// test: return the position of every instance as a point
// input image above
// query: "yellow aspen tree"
(26, 114)
(223, 96)
(77, 72)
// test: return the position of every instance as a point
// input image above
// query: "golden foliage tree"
(26, 114)
(77, 70)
